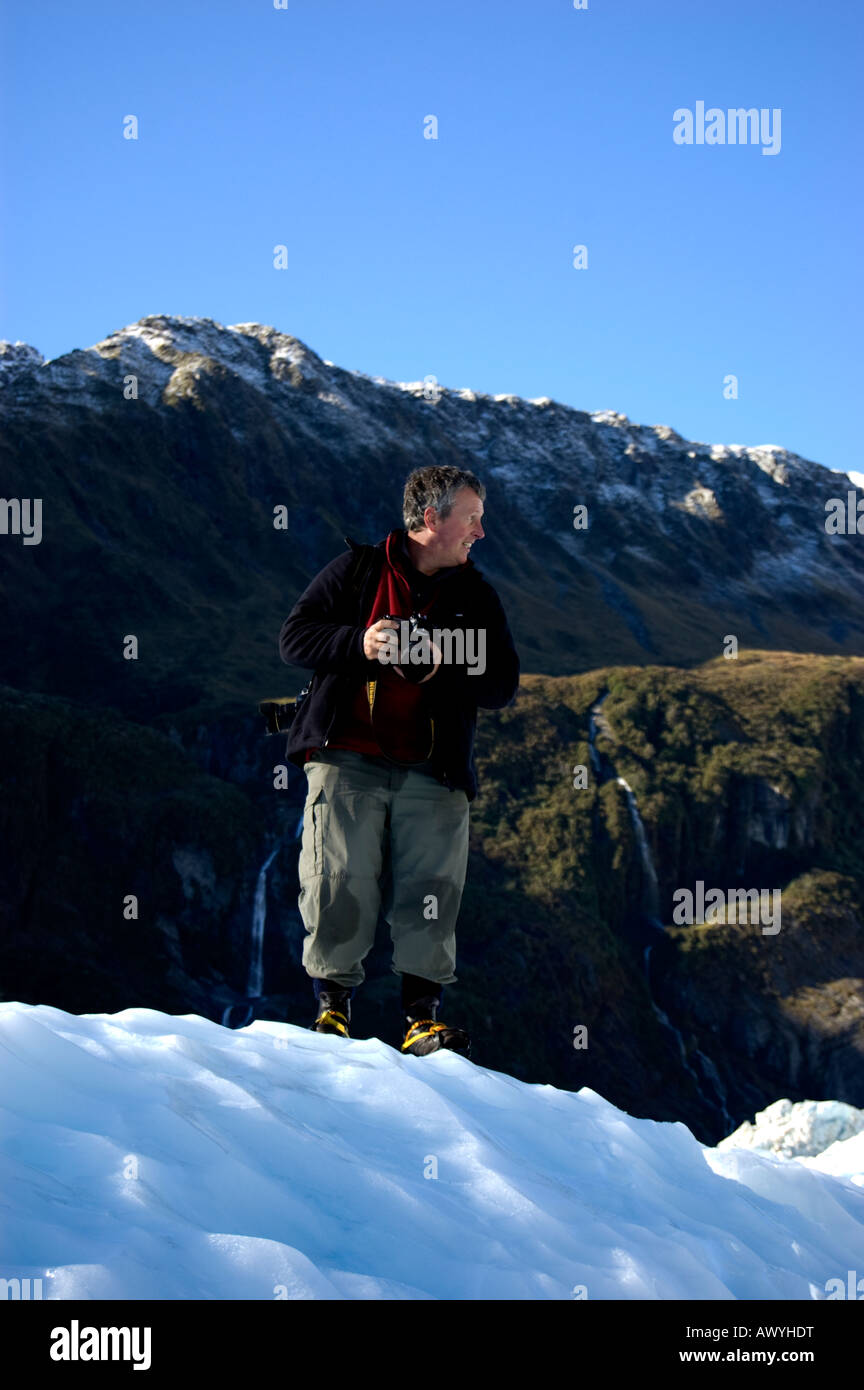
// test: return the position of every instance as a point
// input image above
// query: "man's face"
(455, 535)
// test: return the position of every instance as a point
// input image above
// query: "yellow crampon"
(339, 1021)
(433, 1028)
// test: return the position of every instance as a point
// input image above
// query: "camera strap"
(370, 694)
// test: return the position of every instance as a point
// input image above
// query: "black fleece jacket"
(324, 632)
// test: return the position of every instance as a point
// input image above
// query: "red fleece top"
(398, 711)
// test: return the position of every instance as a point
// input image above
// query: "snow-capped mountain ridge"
(724, 538)
(161, 345)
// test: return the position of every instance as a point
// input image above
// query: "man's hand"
(373, 641)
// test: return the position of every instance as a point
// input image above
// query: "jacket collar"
(469, 567)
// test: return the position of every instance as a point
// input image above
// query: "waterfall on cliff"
(254, 989)
(240, 1015)
(604, 769)
(651, 899)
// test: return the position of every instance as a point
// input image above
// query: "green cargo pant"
(377, 837)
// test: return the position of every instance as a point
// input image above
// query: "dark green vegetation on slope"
(747, 774)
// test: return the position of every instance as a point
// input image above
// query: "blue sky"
(453, 257)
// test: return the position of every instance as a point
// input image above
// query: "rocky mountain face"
(160, 453)
(159, 456)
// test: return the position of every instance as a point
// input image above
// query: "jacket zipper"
(336, 709)
(332, 721)
(338, 701)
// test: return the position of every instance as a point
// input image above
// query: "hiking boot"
(334, 1010)
(423, 1032)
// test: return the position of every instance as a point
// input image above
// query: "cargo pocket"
(318, 806)
(311, 862)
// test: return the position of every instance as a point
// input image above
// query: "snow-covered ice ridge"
(827, 1134)
(146, 1156)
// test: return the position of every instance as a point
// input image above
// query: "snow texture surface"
(805, 1129)
(154, 1157)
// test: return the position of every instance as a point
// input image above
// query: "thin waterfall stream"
(603, 768)
(241, 1015)
(254, 988)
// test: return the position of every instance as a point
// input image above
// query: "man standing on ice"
(387, 748)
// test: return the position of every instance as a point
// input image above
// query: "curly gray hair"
(436, 487)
